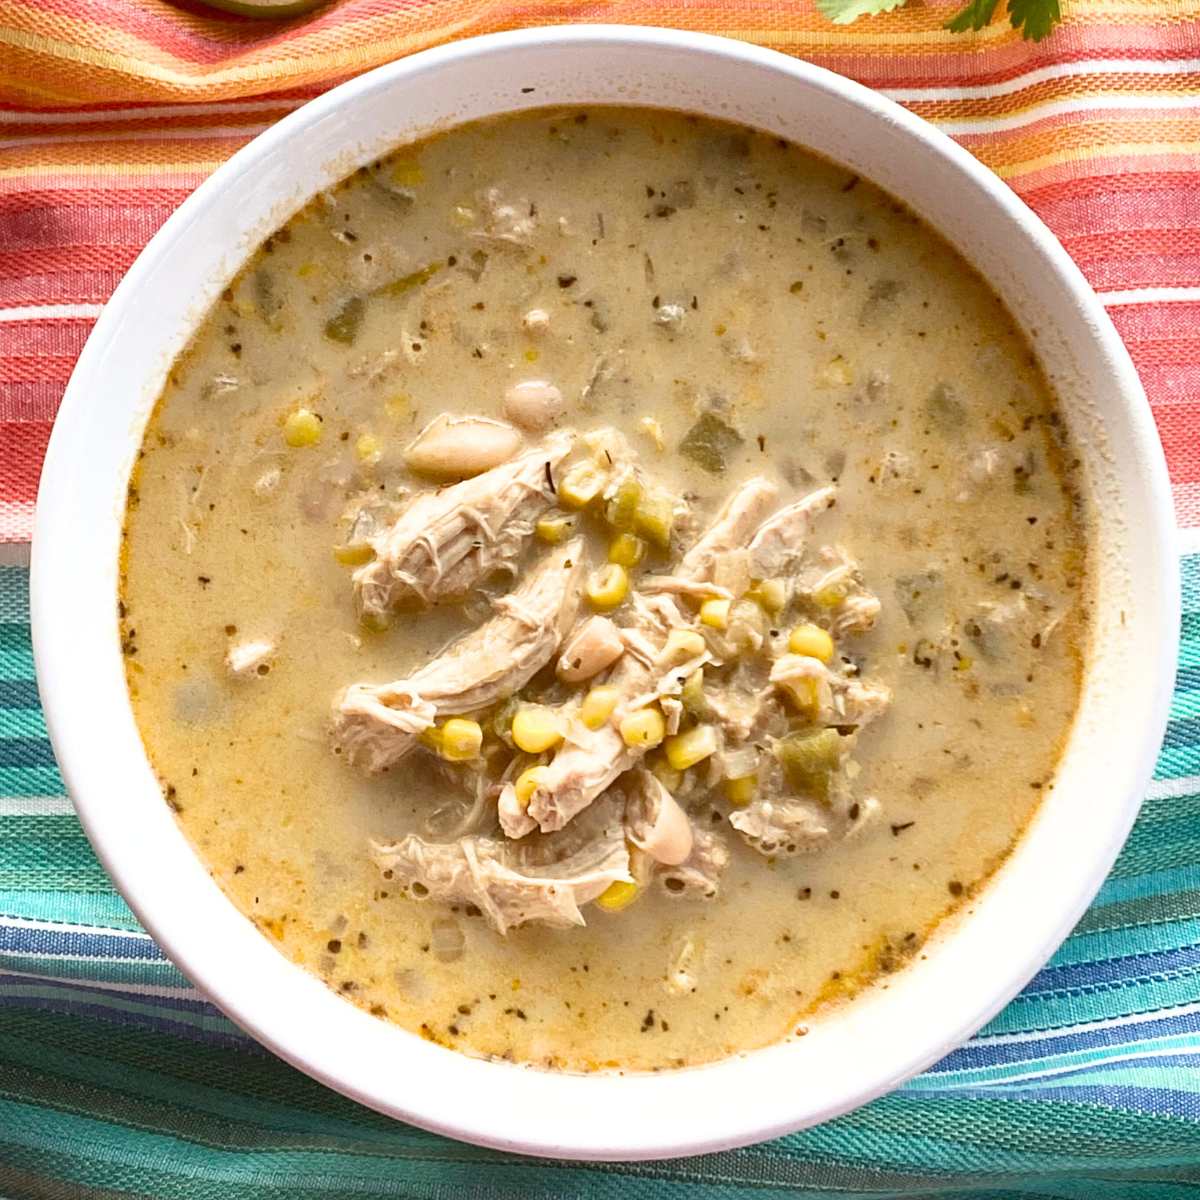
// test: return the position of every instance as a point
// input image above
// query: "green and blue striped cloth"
(118, 1079)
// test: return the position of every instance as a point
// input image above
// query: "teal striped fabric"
(117, 1079)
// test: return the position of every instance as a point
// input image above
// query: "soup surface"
(763, 587)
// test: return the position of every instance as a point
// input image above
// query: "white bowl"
(976, 963)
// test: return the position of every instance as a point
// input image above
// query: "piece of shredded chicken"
(786, 826)
(591, 759)
(594, 645)
(730, 530)
(698, 877)
(375, 725)
(546, 879)
(245, 658)
(779, 541)
(446, 542)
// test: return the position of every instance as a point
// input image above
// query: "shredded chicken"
(738, 711)
(593, 647)
(246, 657)
(742, 513)
(591, 815)
(446, 542)
(699, 589)
(546, 881)
(787, 826)
(856, 614)
(672, 710)
(377, 724)
(590, 760)
(698, 877)
(505, 223)
(779, 541)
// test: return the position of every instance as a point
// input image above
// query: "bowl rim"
(502, 1129)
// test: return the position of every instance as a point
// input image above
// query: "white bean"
(533, 404)
(451, 447)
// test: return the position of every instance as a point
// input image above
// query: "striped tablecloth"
(117, 1079)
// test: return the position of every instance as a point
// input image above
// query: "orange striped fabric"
(111, 111)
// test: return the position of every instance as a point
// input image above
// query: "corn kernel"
(741, 791)
(831, 595)
(598, 705)
(368, 448)
(626, 549)
(654, 431)
(618, 895)
(644, 729)
(691, 747)
(432, 737)
(553, 529)
(375, 622)
(715, 613)
(353, 556)
(399, 406)
(582, 484)
(302, 428)
(527, 783)
(535, 729)
(770, 593)
(608, 586)
(461, 740)
(682, 644)
(811, 640)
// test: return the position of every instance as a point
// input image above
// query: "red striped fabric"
(112, 111)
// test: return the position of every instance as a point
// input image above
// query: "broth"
(735, 308)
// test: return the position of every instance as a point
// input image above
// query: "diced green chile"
(413, 279)
(344, 325)
(695, 702)
(502, 719)
(710, 442)
(265, 299)
(920, 594)
(945, 409)
(621, 511)
(809, 759)
(655, 517)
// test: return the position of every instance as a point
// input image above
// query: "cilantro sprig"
(1034, 18)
